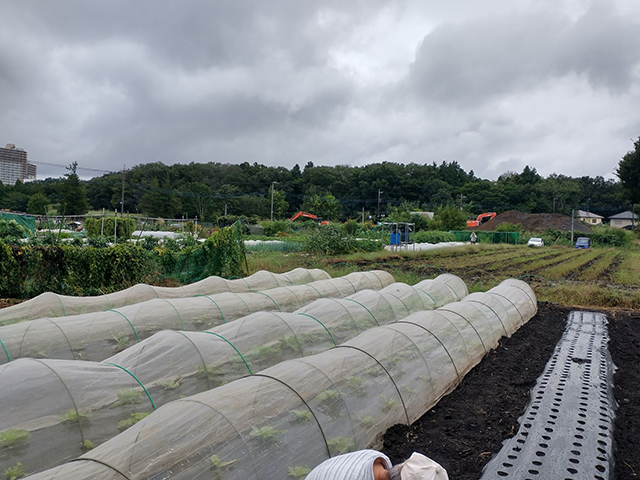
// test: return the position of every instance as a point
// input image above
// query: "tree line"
(212, 190)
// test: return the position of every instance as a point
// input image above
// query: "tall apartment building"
(14, 165)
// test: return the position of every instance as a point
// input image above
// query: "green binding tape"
(136, 379)
(234, 347)
(130, 324)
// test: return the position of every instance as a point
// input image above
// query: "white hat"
(419, 467)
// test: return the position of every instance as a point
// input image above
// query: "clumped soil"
(8, 302)
(536, 222)
(468, 426)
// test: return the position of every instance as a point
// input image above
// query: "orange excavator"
(310, 216)
(480, 219)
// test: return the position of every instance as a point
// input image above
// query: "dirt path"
(468, 426)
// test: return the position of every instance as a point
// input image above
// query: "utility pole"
(572, 216)
(272, 190)
(379, 193)
(122, 197)
(225, 209)
(362, 214)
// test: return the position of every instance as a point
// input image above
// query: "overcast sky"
(492, 84)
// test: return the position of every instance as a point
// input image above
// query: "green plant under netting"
(132, 420)
(13, 436)
(73, 416)
(128, 396)
(299, 472)
(340, 445)
(266, 433)
(388, 404)
(367, 421)
(302, 416)
(172, 384)
(15, 472)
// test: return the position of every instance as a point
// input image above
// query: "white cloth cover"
(419, 467)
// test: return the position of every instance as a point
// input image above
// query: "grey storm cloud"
(477, 60)
(551, 84)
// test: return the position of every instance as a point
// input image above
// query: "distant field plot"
(595, 277)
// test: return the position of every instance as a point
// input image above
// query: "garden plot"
(88, 403)
(567, 429)
(290, 417)
(96, 336)
(53, 305)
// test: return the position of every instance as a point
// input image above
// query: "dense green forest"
(206, 189)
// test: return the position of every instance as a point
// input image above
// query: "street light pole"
(272, 190)
(379, 193)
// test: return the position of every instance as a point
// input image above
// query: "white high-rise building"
(14, 165)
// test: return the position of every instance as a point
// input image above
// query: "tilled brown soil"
(468, 426)
(533, 222)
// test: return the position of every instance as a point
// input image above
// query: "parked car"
(583, 242)
(535, 242)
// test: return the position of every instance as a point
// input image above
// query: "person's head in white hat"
(419, 467)
(374, 465)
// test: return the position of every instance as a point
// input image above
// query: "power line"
(77, 167)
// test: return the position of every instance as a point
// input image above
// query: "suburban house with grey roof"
(624, 219)
(589, 218)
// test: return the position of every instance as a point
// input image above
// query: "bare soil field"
(468, 426)
(536, 222)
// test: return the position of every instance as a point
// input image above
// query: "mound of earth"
(536, 222)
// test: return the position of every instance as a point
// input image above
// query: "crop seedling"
(357, 385)
(388, 404)
(266, 352)
(211, 374)
(289, 344)
(73, 416)
(266, 434)
(128, 396)
(367, 421)
(131, 421)
(408, 390)
(38, 352)
(87, 445)
(15, 472)
(302, 416)
(299, 472)
(340, 445)
(13, 436)
(122, 341)
(220, 466)
(172, 384)
(328, 401)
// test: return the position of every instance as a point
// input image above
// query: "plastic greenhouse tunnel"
(297, 413)
(53, 305)
(96, 336)
(109, 397)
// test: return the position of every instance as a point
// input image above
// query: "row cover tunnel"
(51, 304)
(98, 335)
(60, 407)
(293, 415)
